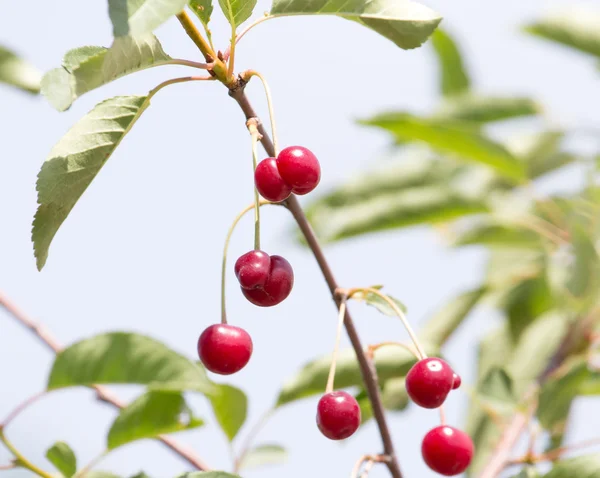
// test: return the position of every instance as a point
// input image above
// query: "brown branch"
(367, 367)
(102, 393)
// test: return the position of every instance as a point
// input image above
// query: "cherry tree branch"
(102, 393)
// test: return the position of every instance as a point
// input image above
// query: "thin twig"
(21, 407)
(102, 393)
(245, 448)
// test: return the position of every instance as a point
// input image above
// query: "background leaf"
(138, 17)
(486, 109)
(261, 455)
(120, 357)
(408, 24)
(63, 458)
(17, 72)
(453, 75)
(230, 406)
(587, 466)
(380, 303)
(75, 161)
(203, 10)
(153, 413)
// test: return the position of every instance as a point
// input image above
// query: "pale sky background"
(142, 249)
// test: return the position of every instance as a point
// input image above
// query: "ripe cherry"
(224, 349)
(299, 168)
(429, 381)
(252, 269)
(338, 415)
(447, 450)
(456, 381)
(277, 287)
(269, 182)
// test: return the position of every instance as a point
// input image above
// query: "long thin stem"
(231, 57)
(255, 135)
(102, 393)
(239, 36)
(336, 348)
(87, 468)
(245, 448)
(246, 76)
(193, 64)
(369, 374)
(225, 248)
(173, 81)
(372, 348)
(20, 460)
(21, 407)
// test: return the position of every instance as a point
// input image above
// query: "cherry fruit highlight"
(224, 349)
(447, 450)
(338, 415)
(429, 381)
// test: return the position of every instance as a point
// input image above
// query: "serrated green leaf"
(408, 24)
(153, 413)
(486, 109)
(75, 161)
(390, 362)
(459, 139)
(90, 67)
(138, 17)
(261, 455)
(379, 302)
(63, 458)
(237, 11)
(203, 10)
(121, 357)
(453, 75)
(440, 327)
(587, 466)
(575, 27)
(394, 395)
(230, 406)
(17, 72)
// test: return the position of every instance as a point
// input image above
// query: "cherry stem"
(370, 460)
(226, 247)
(20, 460)
(421, 353)
(20, 408)
(442, 415)
(556, 453)
(252, 127)
(86, 469)
(239, 36)
(245, 448)
(338, 336)
(246, 76)
(371, 349)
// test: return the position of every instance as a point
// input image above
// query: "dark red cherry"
(252, 269)
(338, 415)
(429, 381)
(278, 286)
(447, 450)
(224, 349)
(269, 182)
(299, 168)
(456, 381)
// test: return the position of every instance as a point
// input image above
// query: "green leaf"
(394, 395)
(153, 413)
(17, 72)
(203, 10)
(408, 24)
(63, 458)
(237, 11)
(366, 410)
(453, 75)
(138, 17)
(439, 328)
(587, 466)
(496, 390)
(584, 273)
(86, 68)
(575, 27)
(379, 302)
(76, 160)
(486, 109)
(261, 455)
(208, 474)
(121, 357)
(492, 234)
(230, 406)
(390, 362)
(456, 138)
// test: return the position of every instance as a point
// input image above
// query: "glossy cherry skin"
(252, 269)
(456, 381)
(224, 349)
(447, 450)
(278, 286)
(299, 168)
(269, 182)
(338, 415)
(429, 381)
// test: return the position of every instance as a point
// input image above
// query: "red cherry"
(447, 450)
(338, 415)
(224, 349)
(278, 286)
(456, 381)
(252, 269)
(429, 381)
(269, 182)
(299, 168)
